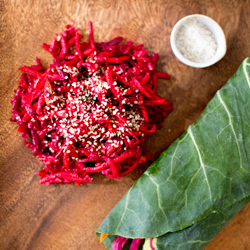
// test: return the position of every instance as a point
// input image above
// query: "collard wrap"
(199, 183)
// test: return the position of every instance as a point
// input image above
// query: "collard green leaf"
(205, 174)
(202, 232)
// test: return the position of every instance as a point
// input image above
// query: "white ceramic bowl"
(216, 31)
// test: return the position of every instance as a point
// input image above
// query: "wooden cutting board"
(34, 216)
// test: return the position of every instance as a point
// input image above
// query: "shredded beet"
(119, 242)
(136, 243)
(151, 244)
(91, 109)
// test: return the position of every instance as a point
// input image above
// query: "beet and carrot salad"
(91, 109)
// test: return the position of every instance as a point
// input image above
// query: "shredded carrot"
(102, 237)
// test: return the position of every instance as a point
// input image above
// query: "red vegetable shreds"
(91, 109)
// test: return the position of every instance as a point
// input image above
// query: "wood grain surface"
(34, 216)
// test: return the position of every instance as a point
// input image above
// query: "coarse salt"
(196, 42)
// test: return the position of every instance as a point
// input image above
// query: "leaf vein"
(173, 156)
(245, 72)
(158, 195)
(126, 206)
(232, 127)
(200, 159)
(189, 185)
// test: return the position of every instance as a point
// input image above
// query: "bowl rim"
(218, 56)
